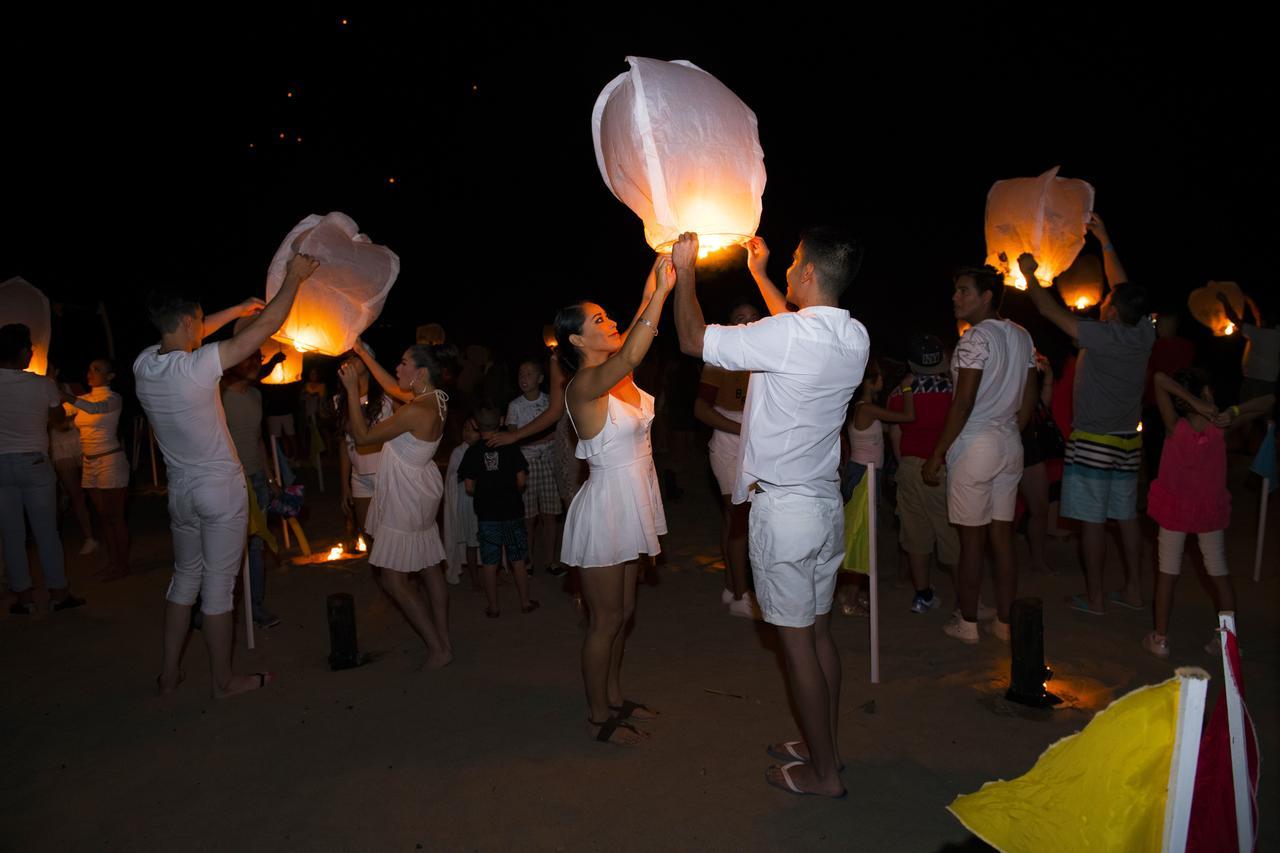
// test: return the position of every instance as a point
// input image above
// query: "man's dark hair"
(14, 338)
(488, 418)
(167, 308)
(836, 257)
(1130, 302)
(986, 279)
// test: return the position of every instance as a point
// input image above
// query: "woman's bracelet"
(650, 324)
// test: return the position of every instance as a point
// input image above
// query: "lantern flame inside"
(361, 547)
(335, 553)
(1082, 303)
(1230, 327)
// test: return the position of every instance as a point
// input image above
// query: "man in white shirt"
(177, 384)
(805, 365)
(994, 375)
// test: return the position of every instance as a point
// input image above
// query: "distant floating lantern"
(346, 292)
(1081, 284)
(1207, 308)
(549, 338)
(1045, 216)
(22, 302)
(681, 150)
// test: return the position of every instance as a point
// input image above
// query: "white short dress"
(402, 514)
(617, 514)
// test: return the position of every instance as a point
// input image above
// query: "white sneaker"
(985, 613)
(726, 596)
(90, 545)
(746, 608)
(962, 630)
(997, 629)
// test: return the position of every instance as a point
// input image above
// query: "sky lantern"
(1081, 284)
(1205, 306)
(22, 302)
(285, 372)
(1045, 216)
(344, 295)
(681, 150)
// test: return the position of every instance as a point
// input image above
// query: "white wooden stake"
(872, 584)
(275, 459)
(1239, 742)
(1193, 684)
(1262, 531)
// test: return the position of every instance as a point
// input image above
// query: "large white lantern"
(1081, 284)
(680, 149)
(1207, 308)
(285, 372)
(344, 295)
(22, 302)
(1045, 216)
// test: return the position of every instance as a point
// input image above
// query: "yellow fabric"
(258, 523)
(1100, 789)
(857, 532)
(317, 442)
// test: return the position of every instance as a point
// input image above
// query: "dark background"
(129, 162)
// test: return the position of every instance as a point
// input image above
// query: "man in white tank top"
(994, 374)
(177, 384)
(805, 366)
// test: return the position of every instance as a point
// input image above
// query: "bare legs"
(610, 595)
(433, 626)
(68, 471)
(733, 544)
(1094, 547)
(541, 530)
(1035, 490)
(109, 504)
(218, 632)
(973, 542)
(520, 571)
(813, 671)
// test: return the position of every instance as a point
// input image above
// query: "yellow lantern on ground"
(346, 292)
(680, 149)
(22, 302)
(1081, 284)
(1045, 216)
(287, 371)
(1207, 308)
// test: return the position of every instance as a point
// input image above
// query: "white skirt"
(615, 517)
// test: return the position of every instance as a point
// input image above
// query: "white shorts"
(105, 472)
(796, 544)
(362, 485)
(724, 461)
(983, 472)
(209, 519)
(279, 425)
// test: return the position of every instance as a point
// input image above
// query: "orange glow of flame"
(335, 553)
(361, 547)
(549, 336)
(1231, 327)
(1082, 303)
(1139, 426)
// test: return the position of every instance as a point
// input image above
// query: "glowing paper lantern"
(682, 151)
(22, 302)
(549, 338)
(1205, 306)
(431, 334)
(344, 295)
(1045, 216)
(1081, 285)
(287, 371)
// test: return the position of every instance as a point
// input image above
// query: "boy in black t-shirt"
(495, 478)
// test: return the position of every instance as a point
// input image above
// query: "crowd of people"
(558, 477)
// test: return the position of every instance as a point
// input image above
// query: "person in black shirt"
(495, 478)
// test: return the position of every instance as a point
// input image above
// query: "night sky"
(130, 163)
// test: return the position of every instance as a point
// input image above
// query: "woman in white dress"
(617, 514)
(104, 474)
(402, 514)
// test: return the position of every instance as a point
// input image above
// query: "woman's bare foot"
(439, 660)
(803, 777)
(794, 750)
(622, 734)
(167, 687)
(625, 710)
(245, 684)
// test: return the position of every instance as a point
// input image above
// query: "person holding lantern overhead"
(402, 514)
(617, 514)
(177, 384)
(1104, 450)
(805, 366)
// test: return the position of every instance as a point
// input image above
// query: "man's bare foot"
(618, 732)
(168, 686)
(439, 660)
(245, 684)
(803, 780)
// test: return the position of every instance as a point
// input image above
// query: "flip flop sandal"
(786, 751)
(627, 708)
(1079, 602)
(790, 787)
(1117, 598)
(609, 726)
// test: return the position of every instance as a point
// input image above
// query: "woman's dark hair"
(14, 338)
(1193, 380)
(569, 320)
(436, 358)
(372, 407)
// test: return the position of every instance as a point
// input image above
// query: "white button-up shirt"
(804, 367)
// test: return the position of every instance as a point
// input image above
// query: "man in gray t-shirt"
(1104, 450)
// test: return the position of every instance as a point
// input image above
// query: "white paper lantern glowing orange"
(285, 372)
(680, 149)
(344, 295)
(1081, 284)
(22, 302)
(1045, 216)
(1206, 307)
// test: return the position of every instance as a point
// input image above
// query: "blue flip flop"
(1079, 602)
(1117, 598)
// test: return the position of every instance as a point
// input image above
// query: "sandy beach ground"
(492, 752)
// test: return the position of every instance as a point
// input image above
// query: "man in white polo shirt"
(805, 365)
(177, 384)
